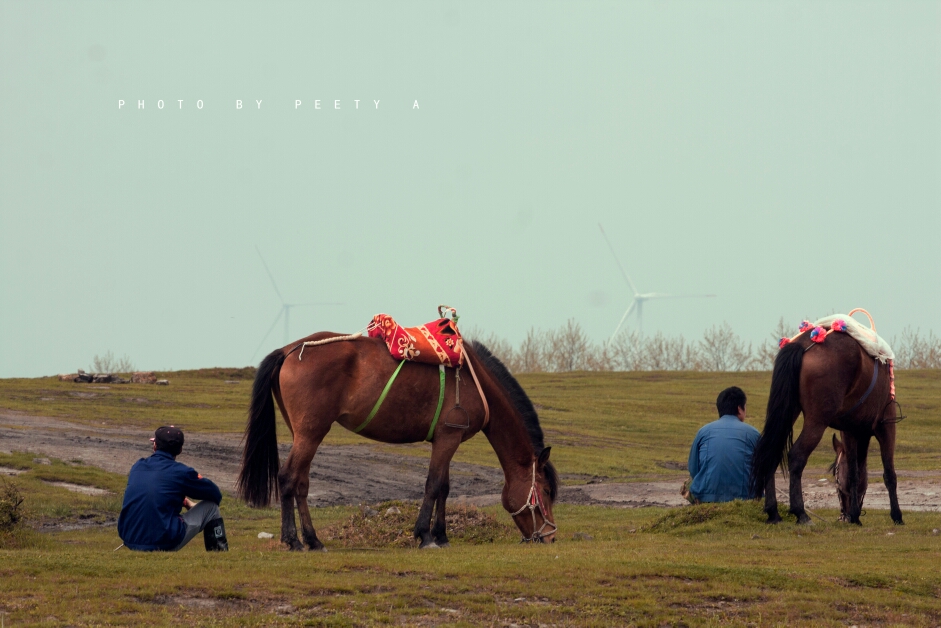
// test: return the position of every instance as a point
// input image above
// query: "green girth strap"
(382, 397)
(434, 422)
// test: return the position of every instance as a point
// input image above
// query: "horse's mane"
(523, 404)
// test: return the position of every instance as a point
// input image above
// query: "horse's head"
(529, 497)
(840, 470)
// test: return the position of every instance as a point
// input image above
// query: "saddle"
(438, 342)
(869, 340)
(873, 344)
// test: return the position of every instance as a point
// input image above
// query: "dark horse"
(340, 382)
(826, 381)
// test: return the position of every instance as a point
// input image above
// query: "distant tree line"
(568, 348)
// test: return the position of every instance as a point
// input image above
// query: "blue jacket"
(150, 518)
(720, 460)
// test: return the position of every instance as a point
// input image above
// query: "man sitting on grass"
(157, 488)
(720, 458)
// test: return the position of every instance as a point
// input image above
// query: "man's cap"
(168, 437)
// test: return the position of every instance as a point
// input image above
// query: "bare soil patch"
(354, 474)
(81, 488)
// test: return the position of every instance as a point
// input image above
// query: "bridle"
(534, 502)
(836, 478)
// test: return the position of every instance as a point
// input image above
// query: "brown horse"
(341, 382)
(836, 384)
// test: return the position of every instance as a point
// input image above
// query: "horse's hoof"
(804, 520)
(429, 545)
(296, 546)
(899, 522)
(774, 519)
(443, 545)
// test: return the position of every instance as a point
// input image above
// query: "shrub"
(721, 349)
(108, 364)
(912, 351)
(11, 514)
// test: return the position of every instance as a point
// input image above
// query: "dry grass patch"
(390, 524)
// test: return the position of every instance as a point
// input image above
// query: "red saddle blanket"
(437, 342)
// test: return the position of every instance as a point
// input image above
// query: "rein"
(382, 397)
(480, 390)
(861, 400)
(836, 478)
(534, 502)
(872, 384)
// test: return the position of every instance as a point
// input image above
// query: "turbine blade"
(660, 295)
(270, 276)
(623, 272)
(623, 318)
(270, 329)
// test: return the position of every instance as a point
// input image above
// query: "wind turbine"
(285, 311)
(637, 303)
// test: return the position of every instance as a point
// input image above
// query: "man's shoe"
(214, 536)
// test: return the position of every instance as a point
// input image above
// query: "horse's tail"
(258, 479)
(783, 408)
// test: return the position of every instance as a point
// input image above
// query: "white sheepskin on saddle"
(871, 342)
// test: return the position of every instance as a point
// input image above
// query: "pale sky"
(785, 156)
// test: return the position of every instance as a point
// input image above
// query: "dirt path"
(353, 474)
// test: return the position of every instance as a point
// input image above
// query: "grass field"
(704, 565)
(621, 426)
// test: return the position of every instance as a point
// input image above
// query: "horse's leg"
(293, 480)
(851, 444)
(300, 496)
(885, 434)
(286, 480)
(862, 455)
(771, 501)
(797, 460)
(436, 490)
(286, 486)
(440, 529)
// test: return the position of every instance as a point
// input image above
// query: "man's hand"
(188, 503)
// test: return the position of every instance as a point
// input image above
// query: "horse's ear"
(544, 456)
(837, 444)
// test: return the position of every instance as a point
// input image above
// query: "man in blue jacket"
(720, 458)
(158, 487)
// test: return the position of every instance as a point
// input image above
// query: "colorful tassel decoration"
(783, 341)
(838, 325)
(819, 334)
(805, 325)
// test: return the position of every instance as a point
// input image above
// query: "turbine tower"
(285, 311)
(637, 303)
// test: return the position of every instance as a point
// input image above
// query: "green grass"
(702, 565)
(48, 503)
(198, 400)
